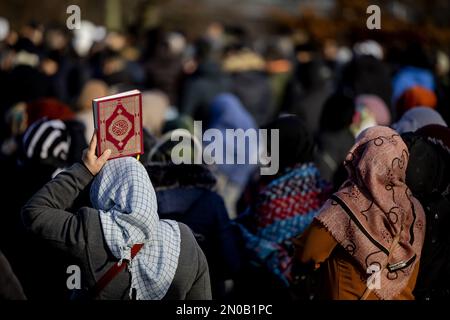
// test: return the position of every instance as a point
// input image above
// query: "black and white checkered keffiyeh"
(125, 197)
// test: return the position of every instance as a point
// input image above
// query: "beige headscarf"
(374, 206)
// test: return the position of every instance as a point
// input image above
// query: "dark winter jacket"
(184, 194)
(10, 288)
(428, 177)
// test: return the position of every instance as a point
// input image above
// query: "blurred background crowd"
(230, 64)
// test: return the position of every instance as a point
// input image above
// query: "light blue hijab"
(125, 197)
(227, 112)
(417, 118)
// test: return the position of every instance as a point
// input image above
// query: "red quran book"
(118, 121)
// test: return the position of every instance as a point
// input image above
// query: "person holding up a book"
(123, 249)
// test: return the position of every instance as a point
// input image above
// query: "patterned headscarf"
(125, 197)
(376, 106)
(284, 209)
(374, 206)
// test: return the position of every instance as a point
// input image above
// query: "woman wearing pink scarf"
(368, 236)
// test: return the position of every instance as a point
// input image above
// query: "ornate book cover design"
(118, 120)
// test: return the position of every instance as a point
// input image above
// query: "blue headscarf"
(227, 112)
(409, 77)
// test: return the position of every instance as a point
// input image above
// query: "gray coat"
(81, 236)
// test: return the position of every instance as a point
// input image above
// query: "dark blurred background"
(324, 18)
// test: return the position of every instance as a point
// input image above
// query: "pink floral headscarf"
(374, 206)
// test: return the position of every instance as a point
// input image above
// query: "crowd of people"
(359, 208)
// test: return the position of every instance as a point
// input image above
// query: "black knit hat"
(47, 143)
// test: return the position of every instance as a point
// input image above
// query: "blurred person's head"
(115, 41)
(92, 89)
(428, 173)
(177, 43)
(338, 112)
(277, 59)
(330, 49)
(215, 30)
(161, 152)
(215, 34)
(56, 39)
(49, 66)
(416, 96)
(369, 48)
(114, 68)
(155, 105)
(442, 64)
(86, 36)
(376, 106)
(156, 44)
(49, 108)
(4, 28)
(409, 77)
(227, 112)
(417, 55)
(11, 38)
(437, 134)
(307, 51)
(243, 60)
(416, 118)
(296, 144)
(33, 32)
(203, 51)
(175, 121)
(313, 75)
(343, 55)
(370, 111)
(7, 59)
(26, 53)
(45, 147)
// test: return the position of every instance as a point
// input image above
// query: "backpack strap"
(109, 275)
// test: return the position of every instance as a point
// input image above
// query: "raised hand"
(93, 163)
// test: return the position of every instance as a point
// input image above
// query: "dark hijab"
(296, 143)
(337, 113)
(428, 177)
